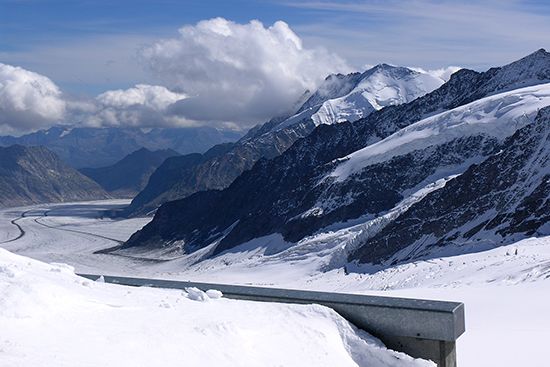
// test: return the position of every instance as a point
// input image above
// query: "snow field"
(505, 289)
(51, 317)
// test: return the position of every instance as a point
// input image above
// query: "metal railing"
(421, 328)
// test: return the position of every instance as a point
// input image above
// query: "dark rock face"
(216, 169)
(166, 176)
(100, 147)
(222, 164)
(31, 175)
(129, 175)
(274, 195)
(380, 187)
(507, 195)
(272, 138)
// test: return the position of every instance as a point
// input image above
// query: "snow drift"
(51, 317)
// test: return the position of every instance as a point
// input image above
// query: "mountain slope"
(165, 179)
(274, 196)
(504, 198)
(215, 169)
(128, 176)
(340, 97)
(30, 175)
(100, 147)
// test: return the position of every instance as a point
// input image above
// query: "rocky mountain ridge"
(130, 175)
(99, 147)
(32, 175)
(340, 97)
(502, 199)
(275, 194)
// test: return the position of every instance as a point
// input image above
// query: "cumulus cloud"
(142, 105)
(237, 72)
(28, 100)
(152, 96)
(216, 72)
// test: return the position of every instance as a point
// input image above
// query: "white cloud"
(219, 73)
(441, 73)
(142, 105)
(237, 72)
(28, 100)
(152, 96)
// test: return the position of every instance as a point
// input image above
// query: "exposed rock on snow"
(502, 199)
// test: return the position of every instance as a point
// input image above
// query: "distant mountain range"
(31, 175)
(99, 147)
(339, 98)
(468, 161)
(128, 176)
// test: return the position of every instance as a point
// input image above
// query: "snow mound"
(498, 116)
(195, 294)
(51, 317)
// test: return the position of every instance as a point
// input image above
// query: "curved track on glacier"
(45, 214)
(105, 251)
(21, 230)
(39, 232)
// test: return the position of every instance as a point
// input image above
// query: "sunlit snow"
(498, 116)
(494, 282)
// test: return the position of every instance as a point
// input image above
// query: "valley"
(258, 183)
(69, 233)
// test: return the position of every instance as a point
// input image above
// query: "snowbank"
(51, 317)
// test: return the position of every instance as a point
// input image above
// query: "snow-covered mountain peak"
(383, 85)
(386, 85)
(390, 70)
(334, 86)
(353, 96)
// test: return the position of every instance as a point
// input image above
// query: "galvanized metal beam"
(421, 328)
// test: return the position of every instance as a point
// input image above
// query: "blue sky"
(89, 46)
